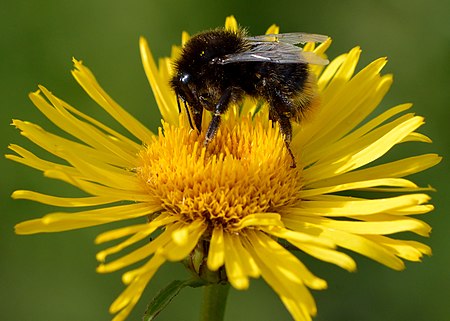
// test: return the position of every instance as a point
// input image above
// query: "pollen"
(244, 170)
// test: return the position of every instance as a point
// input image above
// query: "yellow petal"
(263, 219)
(273, 29)
(282, 261)
(57, 222)
(376, 224)
(328, 255)
(63, 201)
(231, 23)
(129, 297)
(174, 251)
(140, 232)
(365, 247)
(272, 264)
(82, 130)
(400, 168)
(397, 182)
(85, 78)
(328, 205)
(238, 263)
(216, 253)
(139, 254)
(408, 250)
(299, 237)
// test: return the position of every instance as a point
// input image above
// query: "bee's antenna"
(189, 114)
(178, 103)
(187, 109)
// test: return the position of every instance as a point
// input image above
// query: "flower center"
(244, 170)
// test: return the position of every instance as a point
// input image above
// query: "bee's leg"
(273, 115)
(286, 131)
(197, 115)
(220, 108)
(281, 112)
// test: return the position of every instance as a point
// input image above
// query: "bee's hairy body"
(204, 80)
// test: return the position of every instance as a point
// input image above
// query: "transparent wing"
(293, 38)
(273, 51)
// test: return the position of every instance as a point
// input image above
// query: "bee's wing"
(293, 38)
(278, 48)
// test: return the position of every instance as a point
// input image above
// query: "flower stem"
(214, 302)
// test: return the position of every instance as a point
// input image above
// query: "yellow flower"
(239, 197)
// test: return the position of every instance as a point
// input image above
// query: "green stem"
(214, 302)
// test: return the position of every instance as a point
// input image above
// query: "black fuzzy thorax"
(200, 51)
(257, 79)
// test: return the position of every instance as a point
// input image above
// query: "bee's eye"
(184, 78)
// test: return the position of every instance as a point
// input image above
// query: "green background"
(51, 277)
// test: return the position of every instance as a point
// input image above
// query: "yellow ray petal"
(29, 159)
(400, 168)
(124, 141)
(176, 251)
(129, 297)
(343, 135)
(80, 129)
(330, 71)
(358, 98)
(295, 236)
(231, 23)
(376, 224)
(140, 232)
(262, 219)
(273, 29)
(137, 195)
(399, 189)
(362, 152)
(328, 255)
(87, 80)
(397, 182)
(184, 38)
(105, 174)
(408, 250)
(282, 261)
(383, 144)
(166, 71)
(412, 210)
(216, 253)
(247, 262)
(364, 246)
(320, 51)
(167, 104)
(238, 266)
(327, 205)
(161, 220)
(137, 255)
(299, 311)
(59, 146)
(57, 222)
(294, 294)
(63, 201)
(343, 74)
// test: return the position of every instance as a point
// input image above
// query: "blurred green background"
(51, 277)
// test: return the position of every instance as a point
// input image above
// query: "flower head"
(238, 197)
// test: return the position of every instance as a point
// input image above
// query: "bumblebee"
(220, 67)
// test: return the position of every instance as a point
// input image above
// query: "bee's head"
(184, 86)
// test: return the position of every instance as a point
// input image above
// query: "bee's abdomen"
(306, 100)
(291, 89)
